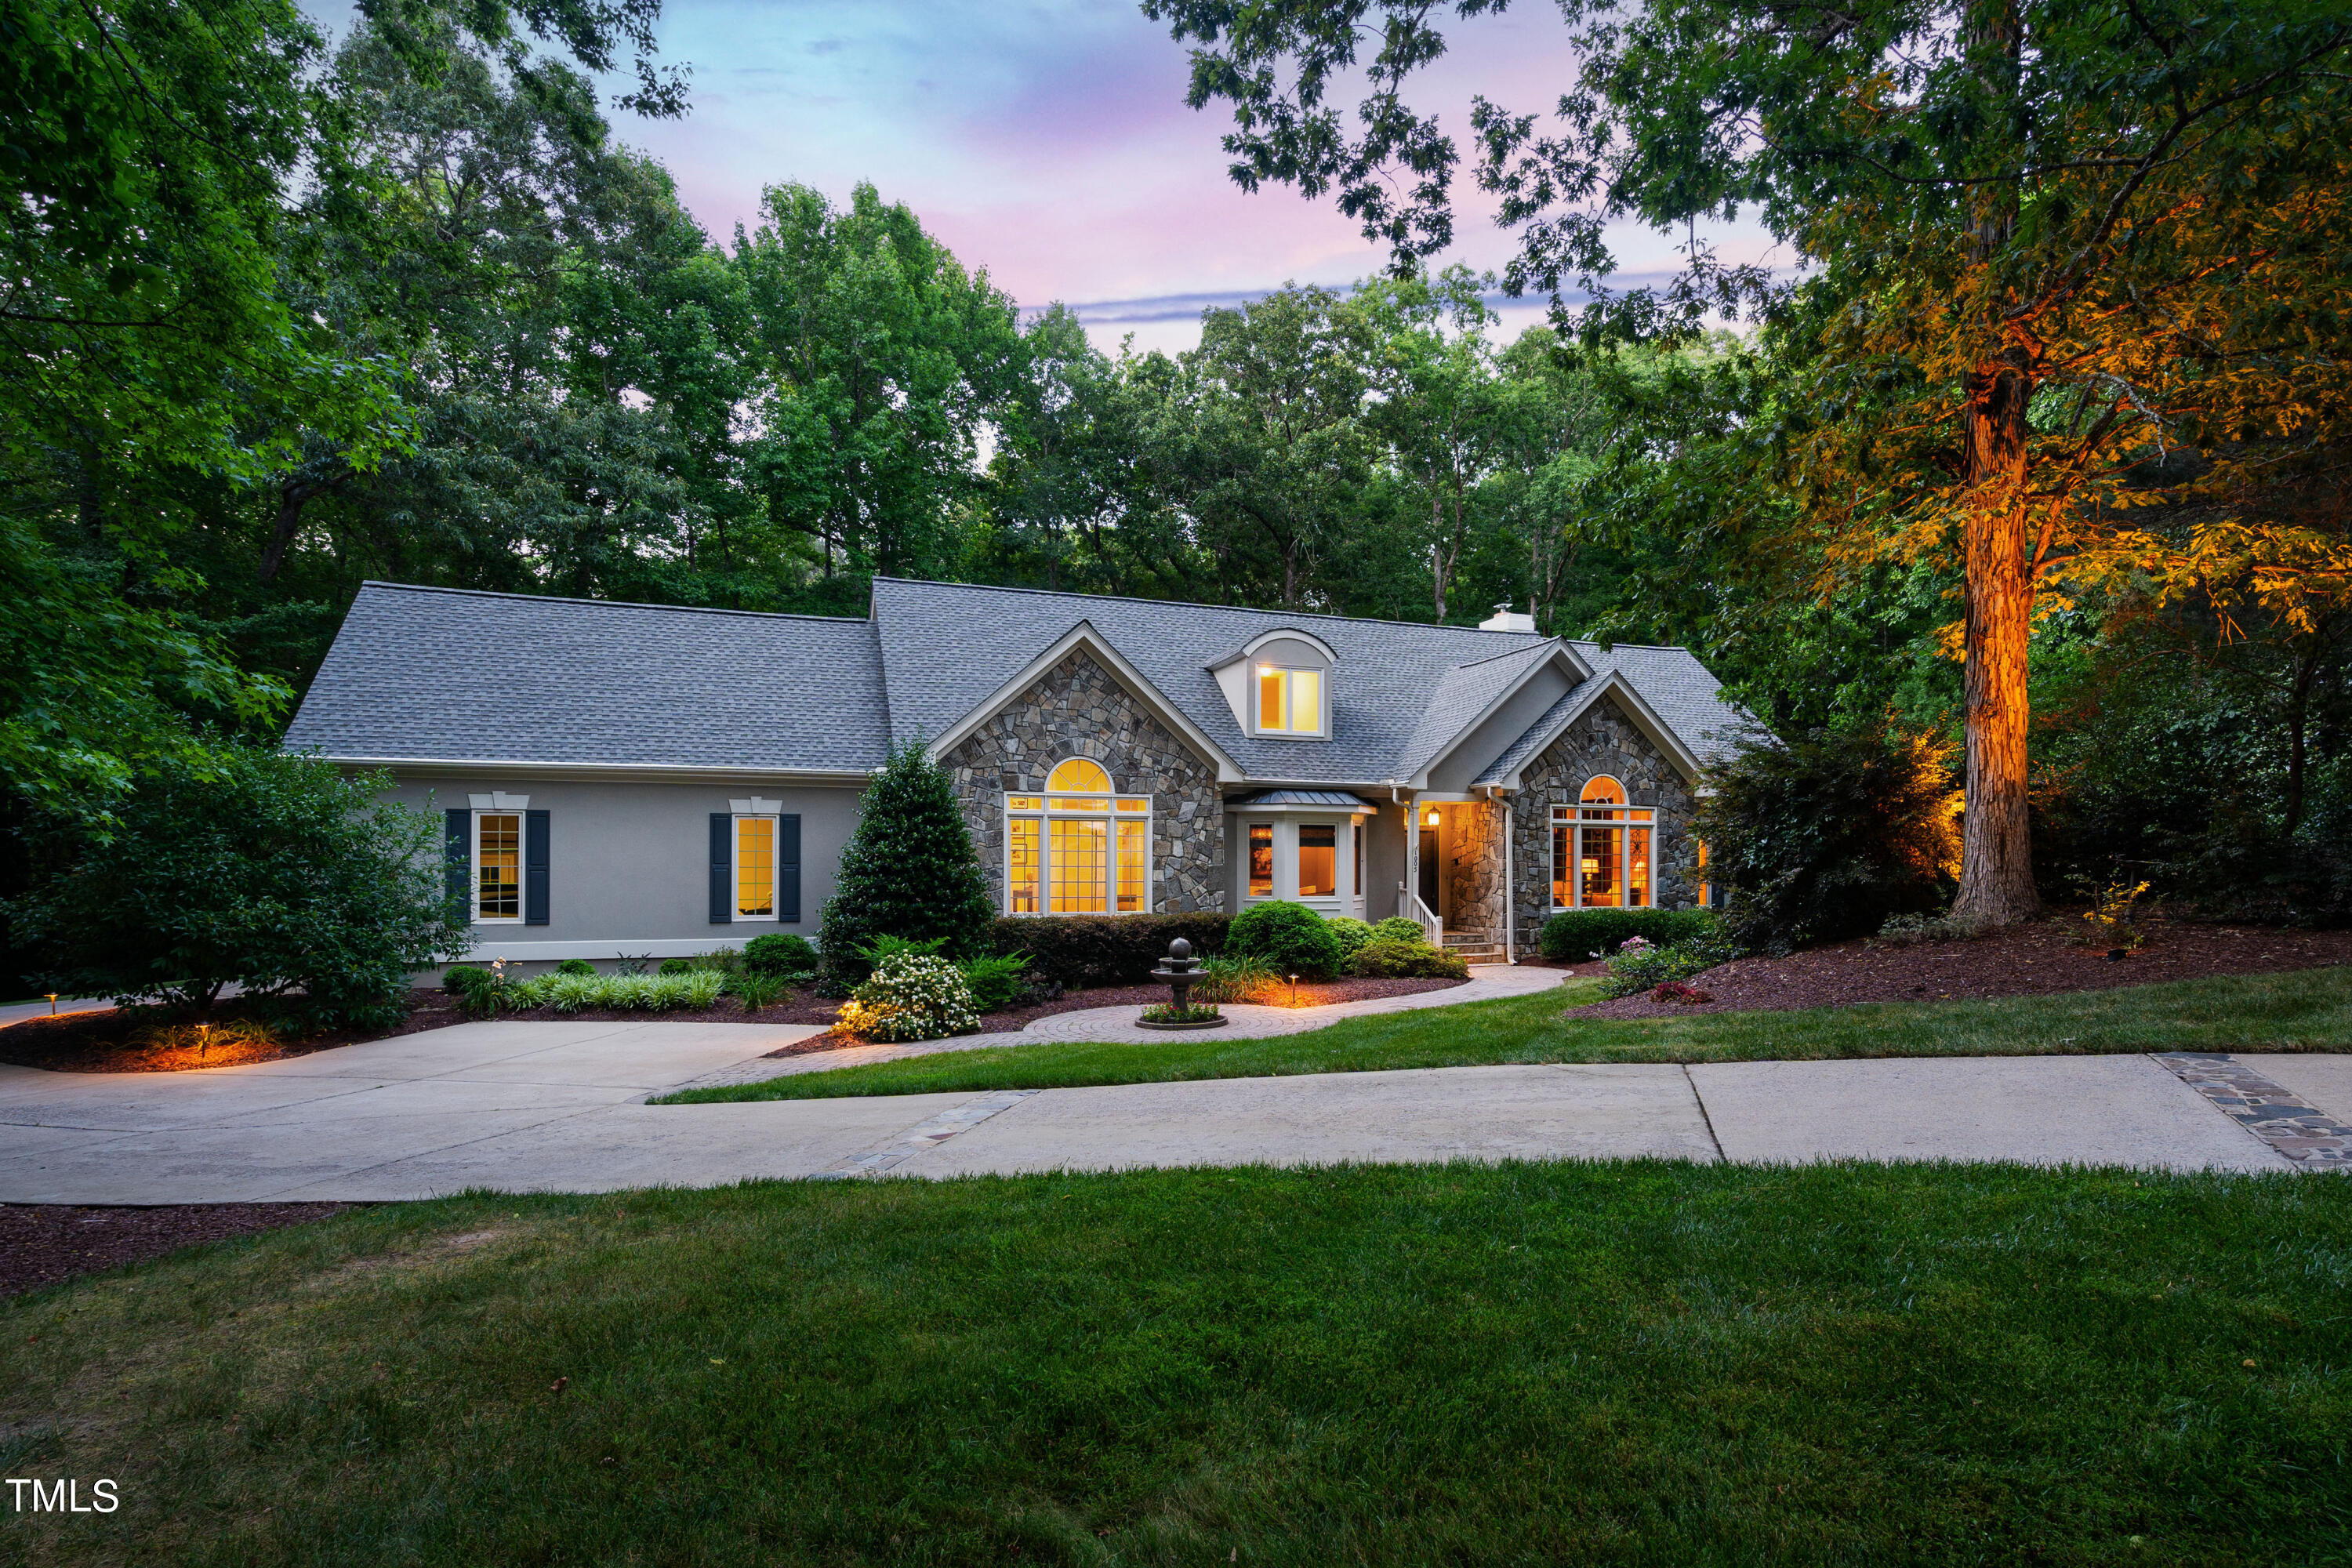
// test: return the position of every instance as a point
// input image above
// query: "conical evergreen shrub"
(909, 869)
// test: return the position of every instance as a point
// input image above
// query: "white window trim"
(1345, 897)
(1045, 814)
(1569, 814)
(735, 867)
(474, 867)
(1322, 731)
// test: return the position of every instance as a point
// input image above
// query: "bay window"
(1079, 849)
(1603, 851)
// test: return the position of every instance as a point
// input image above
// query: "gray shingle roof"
(1677, 688)
(947, 646)
(438, 673)
(456, 675)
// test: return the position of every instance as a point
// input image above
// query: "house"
(643, 779)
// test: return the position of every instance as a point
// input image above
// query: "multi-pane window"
(1078, 849)
(1289, 702)
(1602, 851)
(498, 866)
(755, 867)
(1261, 859)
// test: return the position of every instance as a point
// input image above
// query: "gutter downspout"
(1510, 884)
(1411, 844)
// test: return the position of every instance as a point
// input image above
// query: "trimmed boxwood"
(1291, 937)
(1078, 951)
(1386, 957)
(1580, 934)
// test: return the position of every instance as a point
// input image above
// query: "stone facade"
(1079, 710)
(1603, 742)
(1475, 893)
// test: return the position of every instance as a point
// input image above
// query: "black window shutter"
(722, 868)
(534, 867)
(458, 855)
(788, 868)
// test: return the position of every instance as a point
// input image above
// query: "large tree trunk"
(292, 496)
(1997, 845)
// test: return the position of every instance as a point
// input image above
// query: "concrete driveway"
(560, 1107)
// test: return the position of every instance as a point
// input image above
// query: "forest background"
(283, 317)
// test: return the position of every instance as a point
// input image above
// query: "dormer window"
(1289, 702)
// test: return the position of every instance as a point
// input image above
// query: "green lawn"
(2307, 1010)
(1637, 1363)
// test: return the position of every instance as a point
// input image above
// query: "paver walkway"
(1246, 1022)
(560, 1107)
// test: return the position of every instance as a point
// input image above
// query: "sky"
(1049, 142)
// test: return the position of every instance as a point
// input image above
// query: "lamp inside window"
(1603, 850)
(1078, 849)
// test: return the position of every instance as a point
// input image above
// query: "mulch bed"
(2023, 961)
(98, 1041)
(41, 1244)
(1311, 994)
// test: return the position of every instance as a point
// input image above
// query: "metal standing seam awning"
(1302, 800)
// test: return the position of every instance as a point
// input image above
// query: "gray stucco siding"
(629, 863)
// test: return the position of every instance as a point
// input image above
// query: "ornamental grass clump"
(910, 997)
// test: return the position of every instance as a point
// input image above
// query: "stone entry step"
(1475, 946)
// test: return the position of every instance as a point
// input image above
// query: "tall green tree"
(880, 359)
(2048, 245)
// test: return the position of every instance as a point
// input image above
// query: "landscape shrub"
(576, 966)
(998, 981)
(1291, 937)
(910, 997)
(692, 991)
(781, 952)
(908, 869)
(1352, 934)
(676, 966)
(463, 979)
(1080, 951)
(1825, 836)
(1641, 966)
(1578, 934)
(1396, 927)
(1385, 958)
(242, 866)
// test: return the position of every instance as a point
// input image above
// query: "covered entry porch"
(1458, 860)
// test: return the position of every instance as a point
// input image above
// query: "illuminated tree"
(2073, 309)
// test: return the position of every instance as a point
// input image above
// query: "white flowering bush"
(911, 997)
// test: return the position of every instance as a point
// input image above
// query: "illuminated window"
(1318, 861)
(1077, 849)
(498, 866)
(1289, 702)
(755, 867)
(1261, 859)
(1603, 852)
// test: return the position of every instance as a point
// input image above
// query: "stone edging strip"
(2278, 1117)
(925, 1135)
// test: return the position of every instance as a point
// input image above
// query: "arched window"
(1603, 850)
(1078, 849)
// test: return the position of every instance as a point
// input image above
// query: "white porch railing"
(1433, 930)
